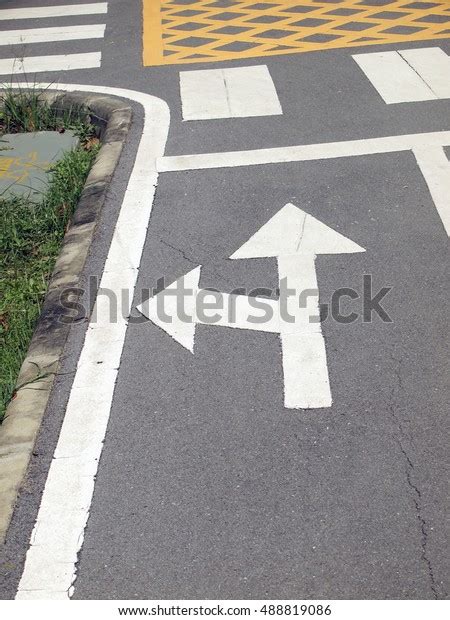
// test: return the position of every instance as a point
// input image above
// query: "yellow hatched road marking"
(186, 31)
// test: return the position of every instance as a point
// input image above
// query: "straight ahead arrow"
(295, 238)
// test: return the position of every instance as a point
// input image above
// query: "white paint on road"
(304, 152)
(203, 95)
(433, 66)
(393, 78)
(418, 143)
(292, 232)
(181, 331)
(63, 10)
(305, 372)
(38, 64)
(305, 368)
(228, 93)
(46, 35)
(50, 564)
(295, 238)
(232, 311)
(435, 167)
(419, 74)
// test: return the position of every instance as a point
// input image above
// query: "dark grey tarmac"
(208, 487)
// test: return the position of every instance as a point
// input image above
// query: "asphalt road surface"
(208, 486)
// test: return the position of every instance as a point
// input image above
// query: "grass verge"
(27, 110)
(31, 234)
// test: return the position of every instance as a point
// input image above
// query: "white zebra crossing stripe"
(38, 64)
(64, 10)
(45, 35)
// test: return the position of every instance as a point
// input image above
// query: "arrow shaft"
(299, 294)
(238, 311)
(305, 369)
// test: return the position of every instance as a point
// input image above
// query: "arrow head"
(290, 232)
(164, 312)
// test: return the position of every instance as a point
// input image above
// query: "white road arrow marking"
(235, 311)
(295, 238)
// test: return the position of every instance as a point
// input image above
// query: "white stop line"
(428, 149)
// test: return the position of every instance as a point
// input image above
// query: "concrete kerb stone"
(25, 412)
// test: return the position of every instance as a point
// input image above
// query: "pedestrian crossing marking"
(62, 10)
(59, 62)
(46, 35)
(31, 64)
(176, 32)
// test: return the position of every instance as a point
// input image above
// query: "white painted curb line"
(50, 566)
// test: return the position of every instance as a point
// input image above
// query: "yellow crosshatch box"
(187, 31)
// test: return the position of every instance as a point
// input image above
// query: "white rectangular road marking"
(435, 167)
(63, 10)
(203, 95)
(228, 93)
(36, 64)
(393, 78)
(433, 66)
(251, 91)
(45, 35)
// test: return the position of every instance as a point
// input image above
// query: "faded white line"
(46, 35)
(393, 78)
(63, 10)
(50, 565)
(38, 64)
(435, 167)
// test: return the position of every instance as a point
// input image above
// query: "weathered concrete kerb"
(24, 414)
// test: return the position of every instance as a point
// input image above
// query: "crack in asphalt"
(302, 231)
(182, 252)
(418, 74)
(409, 469)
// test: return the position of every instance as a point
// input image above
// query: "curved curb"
(25, 412)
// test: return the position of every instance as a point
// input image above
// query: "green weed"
(31, 233)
